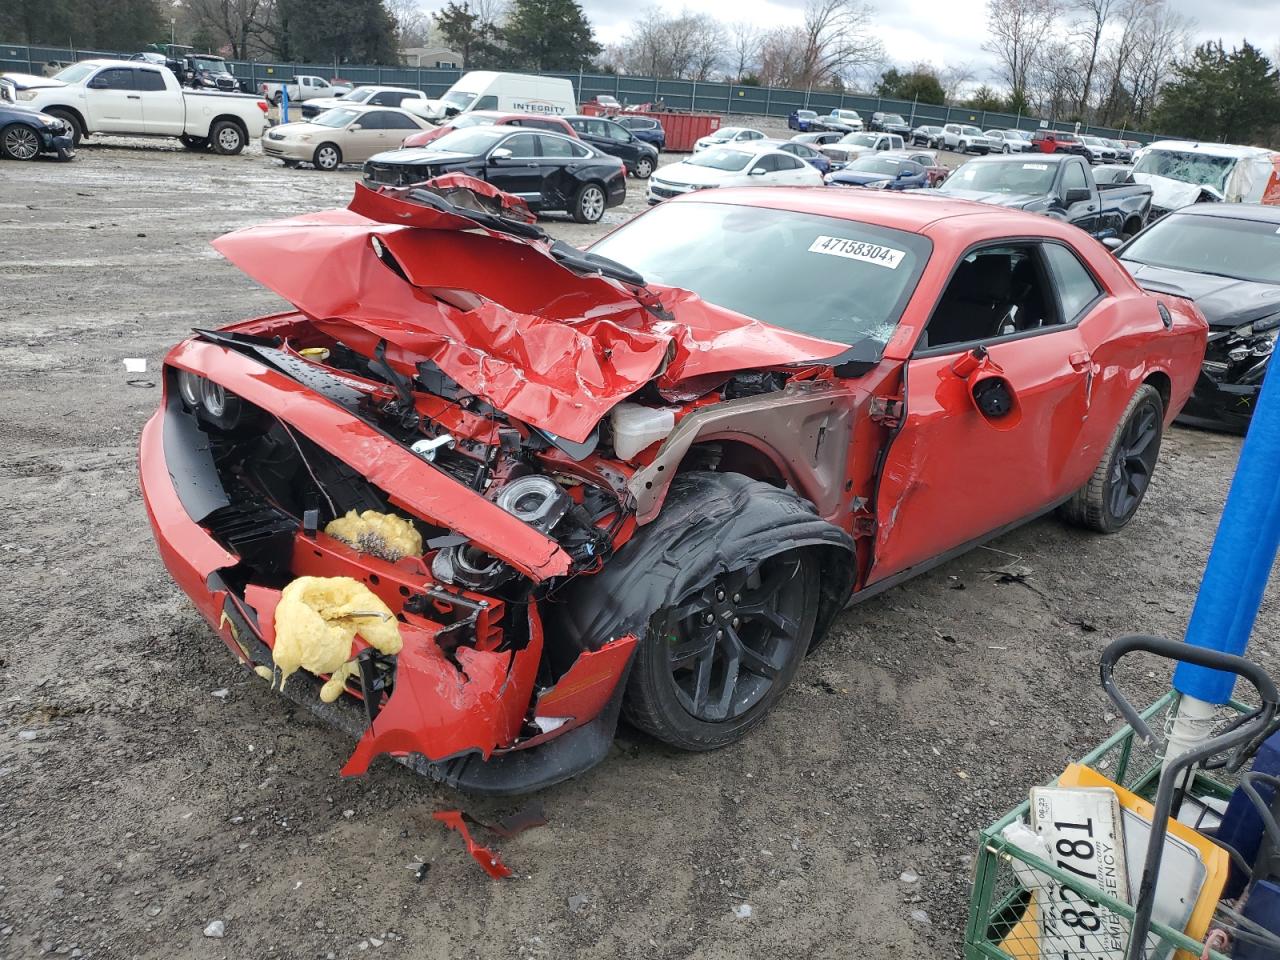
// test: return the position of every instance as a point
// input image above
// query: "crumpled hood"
(859, 179)
(1014, 200)
(497, 313)
(1224, 301)
(1172, 194)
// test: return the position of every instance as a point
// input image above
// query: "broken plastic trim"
(488, 860)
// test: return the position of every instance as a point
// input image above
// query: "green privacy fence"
(710, 97)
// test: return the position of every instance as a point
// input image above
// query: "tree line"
(1112, 63)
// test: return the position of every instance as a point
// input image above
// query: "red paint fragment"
(488, 860)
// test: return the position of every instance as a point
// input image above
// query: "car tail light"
(262, 105)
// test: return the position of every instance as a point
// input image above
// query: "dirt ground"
(149, 786)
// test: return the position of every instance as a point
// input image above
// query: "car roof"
(1259, 212)
(1025, 158)
(755, 146)
(370, 86)
(911, 211)
(583, 116)
(905, 154)
(1211, 149)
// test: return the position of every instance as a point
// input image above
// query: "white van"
(513, 92)
(1180, 172)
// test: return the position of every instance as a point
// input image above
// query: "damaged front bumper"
(1230, 380)
(481, 713)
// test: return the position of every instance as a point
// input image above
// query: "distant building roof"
(430, 57)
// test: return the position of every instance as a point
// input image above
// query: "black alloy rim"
(1134, 462)
(730, 641)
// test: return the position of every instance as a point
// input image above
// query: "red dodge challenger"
(490, 490)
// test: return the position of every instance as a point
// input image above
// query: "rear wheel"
(69, 118)
(588, 203)
(327, 157)
(194, 143)
(1113, 494)
(227, 138)
(1005, 149)
(19, 142)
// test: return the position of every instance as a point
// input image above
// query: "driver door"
(115, 105)
(995, 427)
(521, 173)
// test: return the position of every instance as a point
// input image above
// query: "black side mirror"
(1077, 195)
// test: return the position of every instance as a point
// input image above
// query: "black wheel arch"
(230, 118)
(683, 549)
(64, 108)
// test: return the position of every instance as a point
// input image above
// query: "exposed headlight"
(189, 387)
(214, 398)
(26, 94)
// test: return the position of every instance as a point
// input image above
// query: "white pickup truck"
(139, 99)
(300, 88)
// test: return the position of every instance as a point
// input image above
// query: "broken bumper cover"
(1220, 406)
(470, 721)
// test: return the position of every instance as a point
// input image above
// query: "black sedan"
(640, 158)
(890, 123)
(1225, 257)
(27, 133)
(546, 170)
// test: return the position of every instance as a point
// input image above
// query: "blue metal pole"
(1243, 552)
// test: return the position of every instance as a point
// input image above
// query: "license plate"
(1083, 832)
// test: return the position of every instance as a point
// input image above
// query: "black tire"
(194, 143)
(644, 168)
(18, 141)
(589, 203)
(1115, 491)
(1005, 149)
(227, 138)
(69, 118)
(328, 157)
(962, 147)
(714, 530)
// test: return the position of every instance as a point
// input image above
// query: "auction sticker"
(858, 250)
(1035, 166)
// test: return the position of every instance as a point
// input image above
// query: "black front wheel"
(1115, 491)
(227, 138)
(73, 125)
(644, 168)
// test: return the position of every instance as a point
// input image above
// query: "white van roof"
(1211, 149)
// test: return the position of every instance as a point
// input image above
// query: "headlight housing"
(210, 401)
(877, 185)
(26, 94)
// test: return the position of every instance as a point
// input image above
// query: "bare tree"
(1018, 30)
(837, 39)
(954, 77)
(1096, 15)
(690, 46)
(413, 22)
(237, 24)
(745, 40)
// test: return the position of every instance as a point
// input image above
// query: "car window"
(754, 135)
(149, 80)
(788, 163)
(396, 121)
(1073, 178)
(617, 133)
(857, 276)
(579, 125)
(994, 292)
(598, 128)
(374, 120)
(769, 163)
(560, 147)
(541, 125)
(1077, 289)
(117, 78)
(524, 145)
(486, 103)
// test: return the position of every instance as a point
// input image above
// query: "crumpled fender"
(711, 523)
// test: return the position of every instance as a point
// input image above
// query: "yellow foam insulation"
(316, 620)
(381, 534)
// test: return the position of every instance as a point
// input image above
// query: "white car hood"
(29, 81)
(325, 103)
(688, 173)
(1172, 194)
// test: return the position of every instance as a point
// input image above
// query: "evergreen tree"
(466, 32)
(336, 31)
(549, 35)
(1216, 95)
(918, 85)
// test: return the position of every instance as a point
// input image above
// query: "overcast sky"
(946, 32)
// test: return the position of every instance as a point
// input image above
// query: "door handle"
(1080, 361)
(133, 96)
